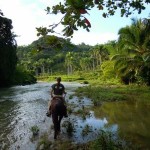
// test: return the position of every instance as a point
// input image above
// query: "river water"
(22, 107)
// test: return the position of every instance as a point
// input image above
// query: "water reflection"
(132, 119)
(95, 124)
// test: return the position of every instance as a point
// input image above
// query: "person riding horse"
(57, 91)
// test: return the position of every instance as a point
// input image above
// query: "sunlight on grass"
(114, 93)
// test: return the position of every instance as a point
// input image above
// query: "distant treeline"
(127, 59)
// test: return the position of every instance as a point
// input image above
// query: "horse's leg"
(59, 122)
(55, 122)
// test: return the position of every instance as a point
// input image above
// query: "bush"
(105, 141)
(85, 82)
(23, 77)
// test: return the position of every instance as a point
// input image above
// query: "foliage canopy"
(74, 13)
(8, 58)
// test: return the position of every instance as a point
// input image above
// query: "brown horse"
(57, 109)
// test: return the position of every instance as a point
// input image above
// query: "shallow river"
(22, 107)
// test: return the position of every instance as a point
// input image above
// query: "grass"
(85, 78)
(105, 141)
(69, 126)
(103, 93)
(35, 130)
(86, 130)
(83, 112)
(44, 142)
(68, 78)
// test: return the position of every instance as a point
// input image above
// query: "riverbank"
(109, 93)
(81, 78)
(126, 106)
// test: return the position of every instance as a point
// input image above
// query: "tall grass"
(100, 94)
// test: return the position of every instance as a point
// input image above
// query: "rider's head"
(58, 79)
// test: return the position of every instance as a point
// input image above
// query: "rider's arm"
(64, 92)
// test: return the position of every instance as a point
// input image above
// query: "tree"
(74, 11)
(8, 58)
(85, 63)
(98, 54)
(134, 62)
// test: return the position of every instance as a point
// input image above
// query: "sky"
(26, 15)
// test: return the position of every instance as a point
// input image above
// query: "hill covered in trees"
(51, 55)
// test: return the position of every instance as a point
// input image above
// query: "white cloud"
(92, 38)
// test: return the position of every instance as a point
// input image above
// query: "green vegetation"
(35, 130)
(86, 130)
(23, 77)
(133, 61)
(105, 141)
(100, 94)
(8, 58)
(69, 125)
(83, 112)
(10, 72)
(125, 61)
(74, 13)
(44, 143)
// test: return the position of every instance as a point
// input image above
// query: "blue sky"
(29, 14)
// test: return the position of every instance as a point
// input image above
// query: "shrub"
(23, 77)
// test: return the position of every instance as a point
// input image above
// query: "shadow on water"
(8, 111)
(22, 107)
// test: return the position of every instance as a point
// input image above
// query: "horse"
(57, 111)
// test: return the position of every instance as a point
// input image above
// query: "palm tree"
(49, 63)
(85, 63)
(69, 60)
(99, 53)
(134, 41)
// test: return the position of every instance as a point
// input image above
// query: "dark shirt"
(58, 89)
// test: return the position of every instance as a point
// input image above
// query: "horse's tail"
(58, 108)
